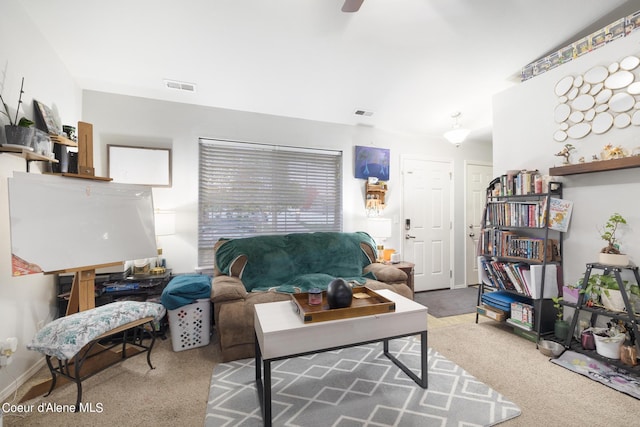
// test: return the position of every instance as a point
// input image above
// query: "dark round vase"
(339, 294)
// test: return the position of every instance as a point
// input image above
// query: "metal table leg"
(263, 386)
(422, 381)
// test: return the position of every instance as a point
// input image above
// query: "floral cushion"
(64, 337)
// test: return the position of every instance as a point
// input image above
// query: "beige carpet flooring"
(175, 393)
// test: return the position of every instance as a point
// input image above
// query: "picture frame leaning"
(46, 119)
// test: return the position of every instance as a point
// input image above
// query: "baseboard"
(11, 389)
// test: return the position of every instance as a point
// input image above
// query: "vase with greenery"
(561, 326)
(611, 254)
(603, 289)
(17, 132)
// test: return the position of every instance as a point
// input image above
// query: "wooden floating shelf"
(27, 154)
(80, 175)
(83, 176)
(596, 166)
(63, 141)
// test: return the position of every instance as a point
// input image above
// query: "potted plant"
(17, 132)
(561, 327)
(609, 340)
(610, 254)
(604, 289)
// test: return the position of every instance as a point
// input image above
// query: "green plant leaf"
(25, 123)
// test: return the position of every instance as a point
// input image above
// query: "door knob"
(408, 236)
(472, 234)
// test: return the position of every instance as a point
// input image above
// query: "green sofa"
(270, 268)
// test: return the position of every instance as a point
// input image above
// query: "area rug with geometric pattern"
(356, 386)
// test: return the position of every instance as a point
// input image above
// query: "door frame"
(466, 195)
(452, 217)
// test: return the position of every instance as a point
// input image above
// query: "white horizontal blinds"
(249, 189)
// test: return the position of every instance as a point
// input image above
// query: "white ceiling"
(411, 62)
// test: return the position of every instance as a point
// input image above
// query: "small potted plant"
(561, 327)
(17, 132)
(611, 254)
(609, 340)
(604, 290)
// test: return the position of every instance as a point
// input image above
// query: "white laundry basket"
(190, 325)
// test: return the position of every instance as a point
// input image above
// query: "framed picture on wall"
(139, 165)
(46, 119)
(372, 161)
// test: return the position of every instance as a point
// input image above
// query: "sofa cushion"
(276, 260)
(387, 273)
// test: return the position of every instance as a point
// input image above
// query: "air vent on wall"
(174, 84)
(363, 113)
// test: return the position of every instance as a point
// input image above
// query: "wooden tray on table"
(365, 302)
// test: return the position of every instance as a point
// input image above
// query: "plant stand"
(629, 316)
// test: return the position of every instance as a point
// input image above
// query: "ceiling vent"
(174, 84)
(363, 113)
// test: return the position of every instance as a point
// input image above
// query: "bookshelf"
(520, 254)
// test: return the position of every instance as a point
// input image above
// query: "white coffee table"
(281, 334)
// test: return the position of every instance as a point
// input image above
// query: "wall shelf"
(375, 194)
(28, 154)
(63, 141)
(83, 176)
(596, 166)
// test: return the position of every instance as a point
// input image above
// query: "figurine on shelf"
(566, 152)
(610, 152)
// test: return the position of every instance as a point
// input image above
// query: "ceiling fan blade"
(352, 5)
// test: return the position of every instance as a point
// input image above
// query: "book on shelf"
(505, 243)
(519, 182)
(520, 277)
(519, 325)
(522, 314)
(550, 283)
(560, 214)
(515, 213)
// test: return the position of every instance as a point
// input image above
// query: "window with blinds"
(249, 189)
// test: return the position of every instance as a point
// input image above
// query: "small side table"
(407, 267)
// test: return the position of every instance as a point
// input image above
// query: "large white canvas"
(61, 223)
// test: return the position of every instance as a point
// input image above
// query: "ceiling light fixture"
(457, 134)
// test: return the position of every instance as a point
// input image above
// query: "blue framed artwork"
(371, 161)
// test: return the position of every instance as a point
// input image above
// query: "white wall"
(25, 301)
(523, 139)
(119, 119)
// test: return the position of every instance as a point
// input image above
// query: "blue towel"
(185, 289)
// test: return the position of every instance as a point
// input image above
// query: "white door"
(427, 239)
(477, 178)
